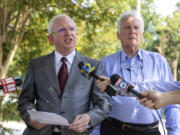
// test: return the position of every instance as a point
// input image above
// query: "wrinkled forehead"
(130, 20)
(64, 22)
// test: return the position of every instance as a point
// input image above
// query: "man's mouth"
(132, 37)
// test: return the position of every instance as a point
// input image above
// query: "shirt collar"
(69, 57)
(125, 57)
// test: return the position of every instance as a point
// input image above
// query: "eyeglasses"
(64, 30)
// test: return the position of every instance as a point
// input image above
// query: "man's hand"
(153, 98)
(103, 84)
(80, 123)
(35, 124)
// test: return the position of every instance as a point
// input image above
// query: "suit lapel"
(49, 70)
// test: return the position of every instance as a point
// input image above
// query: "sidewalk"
(18, 127)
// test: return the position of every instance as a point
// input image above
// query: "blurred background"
(23, 36)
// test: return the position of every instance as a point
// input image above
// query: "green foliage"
(172, 32)
(10, 114)
(100, 38)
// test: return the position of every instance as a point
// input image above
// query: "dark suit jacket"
(41, 92)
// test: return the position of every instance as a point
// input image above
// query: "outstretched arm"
(160, 99)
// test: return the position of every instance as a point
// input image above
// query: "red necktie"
(63, 74)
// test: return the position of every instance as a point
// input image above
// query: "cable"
(160, 119)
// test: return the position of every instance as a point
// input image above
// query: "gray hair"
(132, 13)
(50, 25)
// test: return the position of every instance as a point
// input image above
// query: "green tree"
(168, 42)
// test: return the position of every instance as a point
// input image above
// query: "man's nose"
(133, 30)
(68, 31)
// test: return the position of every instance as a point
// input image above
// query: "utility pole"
(138, 5)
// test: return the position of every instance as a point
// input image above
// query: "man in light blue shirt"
(133, 64)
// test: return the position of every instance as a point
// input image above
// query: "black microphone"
(128, 69)
(124, 86)
(88, 71)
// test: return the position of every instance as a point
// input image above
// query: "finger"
(144, 98)
(36, 124)
(145, 101)
(104, 78)
(76, 120)
(142, 101)
(102, 85)
(75, 127)
(145, 94)
(80, 123)
(99, 83)
(80, 130)
(85, 126)
(156, 106)
(137, 98)
(76, 123)
(149, 104)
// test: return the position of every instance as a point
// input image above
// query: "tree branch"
(16, 40)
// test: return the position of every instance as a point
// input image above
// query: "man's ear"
(50, 37)
(118, 35)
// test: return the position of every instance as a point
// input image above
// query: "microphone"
(10, 84)
(88, 70)
(124, 86)
(128, 69)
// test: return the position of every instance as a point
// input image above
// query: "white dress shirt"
(58, 62)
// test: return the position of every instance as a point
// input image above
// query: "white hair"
(127, 14)
(51, 23)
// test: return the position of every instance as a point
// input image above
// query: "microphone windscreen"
(114, 78)
(80, 64)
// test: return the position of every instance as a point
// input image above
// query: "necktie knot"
(63, 59)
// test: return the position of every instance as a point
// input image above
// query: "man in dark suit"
(44, 90)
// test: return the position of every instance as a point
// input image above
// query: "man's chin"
(133, 40)
(70, 46)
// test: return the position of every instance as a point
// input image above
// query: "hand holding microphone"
(121, 86)
(159, 99)
(103, 84)
(124, 86)
(88, 71)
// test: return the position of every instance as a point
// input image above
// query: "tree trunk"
(175, 66)
(163, 44)
(7, 39)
